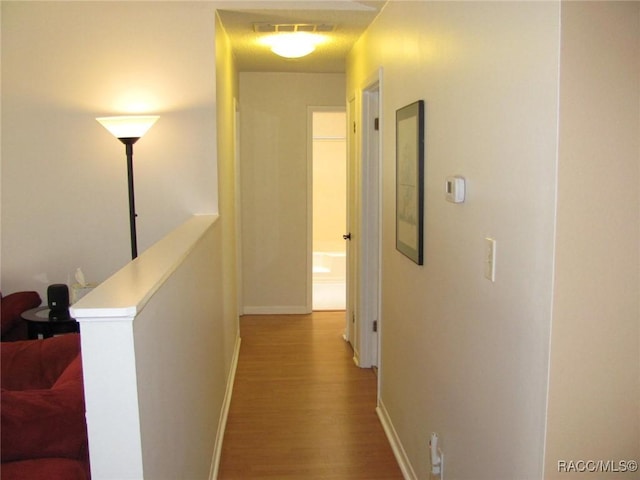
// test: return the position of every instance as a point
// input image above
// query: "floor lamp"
(129, 129)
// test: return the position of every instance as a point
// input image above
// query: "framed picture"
(410, 181)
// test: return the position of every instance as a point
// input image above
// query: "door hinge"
(376, 124)
(375, 325)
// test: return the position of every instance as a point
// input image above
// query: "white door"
(352, 229)
(369, 246)
(364, 222)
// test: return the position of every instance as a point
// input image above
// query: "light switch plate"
(490, 259)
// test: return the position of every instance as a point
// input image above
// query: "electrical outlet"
(490, 259)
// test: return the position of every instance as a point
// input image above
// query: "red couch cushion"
(42, 411)
(47, 422)
(43, 469)
(13, 305)
(36, 364)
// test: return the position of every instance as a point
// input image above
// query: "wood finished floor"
(301, 409)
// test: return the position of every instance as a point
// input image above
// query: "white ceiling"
(351, 18)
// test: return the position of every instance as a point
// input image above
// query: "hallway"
(300, 408)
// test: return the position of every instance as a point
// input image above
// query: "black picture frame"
(410, 181)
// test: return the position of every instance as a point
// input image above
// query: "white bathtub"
(329, 280)
(329, 267)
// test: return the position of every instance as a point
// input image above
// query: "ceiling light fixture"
(292, 45)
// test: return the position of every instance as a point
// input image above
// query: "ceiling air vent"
(293, 27)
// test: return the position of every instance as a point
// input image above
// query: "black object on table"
(42, 322)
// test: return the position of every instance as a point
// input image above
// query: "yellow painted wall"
(461, 355)
(275, 178)
(537, 105)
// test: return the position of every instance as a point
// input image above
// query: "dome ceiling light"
(293, 40)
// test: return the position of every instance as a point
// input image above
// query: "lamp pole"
(129, 129)
(128, 142)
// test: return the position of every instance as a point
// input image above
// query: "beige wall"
(64, 181)
(460, 355)
(468, 358)
(275, 243)
(594, 390)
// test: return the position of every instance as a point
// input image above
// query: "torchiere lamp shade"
(128, 126)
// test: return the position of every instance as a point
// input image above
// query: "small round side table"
(44, 323)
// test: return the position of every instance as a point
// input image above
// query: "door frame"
(238, 205)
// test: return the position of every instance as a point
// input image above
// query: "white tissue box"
(78, 291)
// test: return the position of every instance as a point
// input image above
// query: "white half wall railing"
(153, 351)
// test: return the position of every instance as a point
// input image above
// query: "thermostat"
(454, 189)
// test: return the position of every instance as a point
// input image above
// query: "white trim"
(277, 310)
(309, 271)
(545, 443)
(396, 445)
(224, 411)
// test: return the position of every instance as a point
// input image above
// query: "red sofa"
(43, 429)
(13, 327)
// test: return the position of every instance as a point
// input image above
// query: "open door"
(351, 229)
(364, 221)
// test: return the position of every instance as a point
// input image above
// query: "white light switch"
(490, 259)
(454, 189)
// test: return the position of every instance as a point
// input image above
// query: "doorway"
(329, 205)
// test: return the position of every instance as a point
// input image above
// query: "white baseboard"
(276, 310)
(396, 445)
(224, 411)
